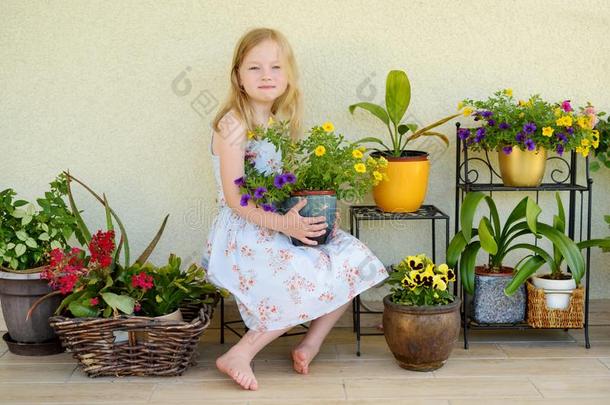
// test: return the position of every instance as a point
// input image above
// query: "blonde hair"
(287, 107)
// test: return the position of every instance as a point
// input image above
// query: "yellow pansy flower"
(328, 126)
(595, 143)
(360, 167)
(250, 134)
(357, 154)
(378, 176)
(584, 151)
(320, 150)
(439, 283)
(443, 268)
(547, 131)
(467, 111)
(595, 133)
(585, 142)
(508, 92)
(583, 122)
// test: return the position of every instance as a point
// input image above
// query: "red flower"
(137, 307)
(64, 270)
(94, 301)
(101, 248)
(142, 280)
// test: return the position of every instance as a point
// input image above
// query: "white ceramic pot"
(557, 292)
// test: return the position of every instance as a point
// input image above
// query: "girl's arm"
(231, 142)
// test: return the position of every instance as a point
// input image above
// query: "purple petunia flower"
(570, 130)
(290, 178)
(240, 181)
(486, 114)
(520, 137)
(463, 133)
(268, 207)
(562, 137)
(480, 135)
(244, 200)
(507, 150)
(559, 149)
(503, 125)
(491, 122)
(279, 181)
(260, 192)
(529, 128)
(531, 145)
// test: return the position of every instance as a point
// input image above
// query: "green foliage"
(28, 233)
(417, 281)
(602, 153)
(397, 100)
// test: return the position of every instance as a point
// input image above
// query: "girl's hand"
(302, 228)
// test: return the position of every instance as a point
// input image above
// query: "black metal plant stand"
(358, 213)
(467, 180)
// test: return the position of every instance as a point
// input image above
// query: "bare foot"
(302, 355)
(238, 368)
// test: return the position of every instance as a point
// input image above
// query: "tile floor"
(533, 366)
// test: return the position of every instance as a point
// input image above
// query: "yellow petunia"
(508, 92)
(547, 131)
(320, 150)
(360, 167)
(357, 154)
(328, 126)
(467, 111)
(378, 176)
(250, 134)
(565, 121)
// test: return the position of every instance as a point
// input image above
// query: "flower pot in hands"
(319, 203)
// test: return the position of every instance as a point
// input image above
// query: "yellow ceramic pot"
(407, 185)
(522, 168)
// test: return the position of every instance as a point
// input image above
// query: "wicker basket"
(539, 316)
(169, 349)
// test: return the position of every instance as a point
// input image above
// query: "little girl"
(276, 285)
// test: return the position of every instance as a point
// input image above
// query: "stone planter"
(421, 338)
(490, 304)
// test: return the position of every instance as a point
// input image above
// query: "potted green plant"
(602, 133)
(408, 170)
(487, 283)
(523, 132)
(557, 285)
(421, 317)
(27, 236)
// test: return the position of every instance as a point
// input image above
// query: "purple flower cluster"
(504, 126)
(279, 181)
(282, 179)
(463, 133)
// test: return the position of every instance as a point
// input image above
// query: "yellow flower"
(270, 122)
(565, 121)
(595, 143)
(378, 176)
(508, 92)
(595, 133)
(383, 163)
(583, 151)
(522, 103)
(585, 142)
(583, 122)
(557, 112)
(415, 277)
(460, 105)
(371, 162)
(415, 262)
(467, 111)
(439, 283)
(443, 268)
(357, 154)
(547, 131)
(250, 134)
(360, 167)
(328, 126)
(320, 150)
(362, 149)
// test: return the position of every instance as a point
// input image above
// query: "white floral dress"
(276, 284)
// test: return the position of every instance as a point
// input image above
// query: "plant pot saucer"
(47, 348)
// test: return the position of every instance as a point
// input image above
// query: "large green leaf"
(493, 213)
(123, 303)
(467, 263)
(516, 214)
(560, 213)
(469, 207)
(81, 311)
(488, 243)
(397, 95)
(523, 273)
(374, 109)
(372, 139)
(568, 249)
(532, 210)
(600, 243)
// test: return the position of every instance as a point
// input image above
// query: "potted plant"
(327, 169)
(602, 151)
(27, 235)
(421, 317)
(487, 283)
(557, 285)
(408, 170)
(523, 132)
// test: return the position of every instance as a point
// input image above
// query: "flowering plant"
(506, 123)
(326, 161)
(602, 152)
(417, 281)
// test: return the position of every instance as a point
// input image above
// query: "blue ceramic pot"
(319, 203)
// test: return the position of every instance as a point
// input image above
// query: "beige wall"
(88, 86)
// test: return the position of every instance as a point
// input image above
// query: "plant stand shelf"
(469, 173)
(359, 213)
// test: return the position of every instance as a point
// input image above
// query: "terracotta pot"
(421, 338)
(522, 168)
(406, 188)
(319, 203)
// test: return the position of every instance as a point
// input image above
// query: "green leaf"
(493, 212)
(109, 224)
(22, 235)
(79, 310)
(403, 129)
(532, 210)
(44, 236)
(560, 211)
(600, 243)
(569, 250)
(19, 203)
(26, 220)
(31, 243)
(469, 207)
(107, 312)
(19, 213)
(524, 272)
(488, 243)
(14, 263)
(467, 264)
(20, 249)
(84, 231)
(10, 246)
(397, 95)
(44, 227)
(372, 139)
(149, 249)
(56, 244)
(374, 109)
(594, 166)
(123, 303)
